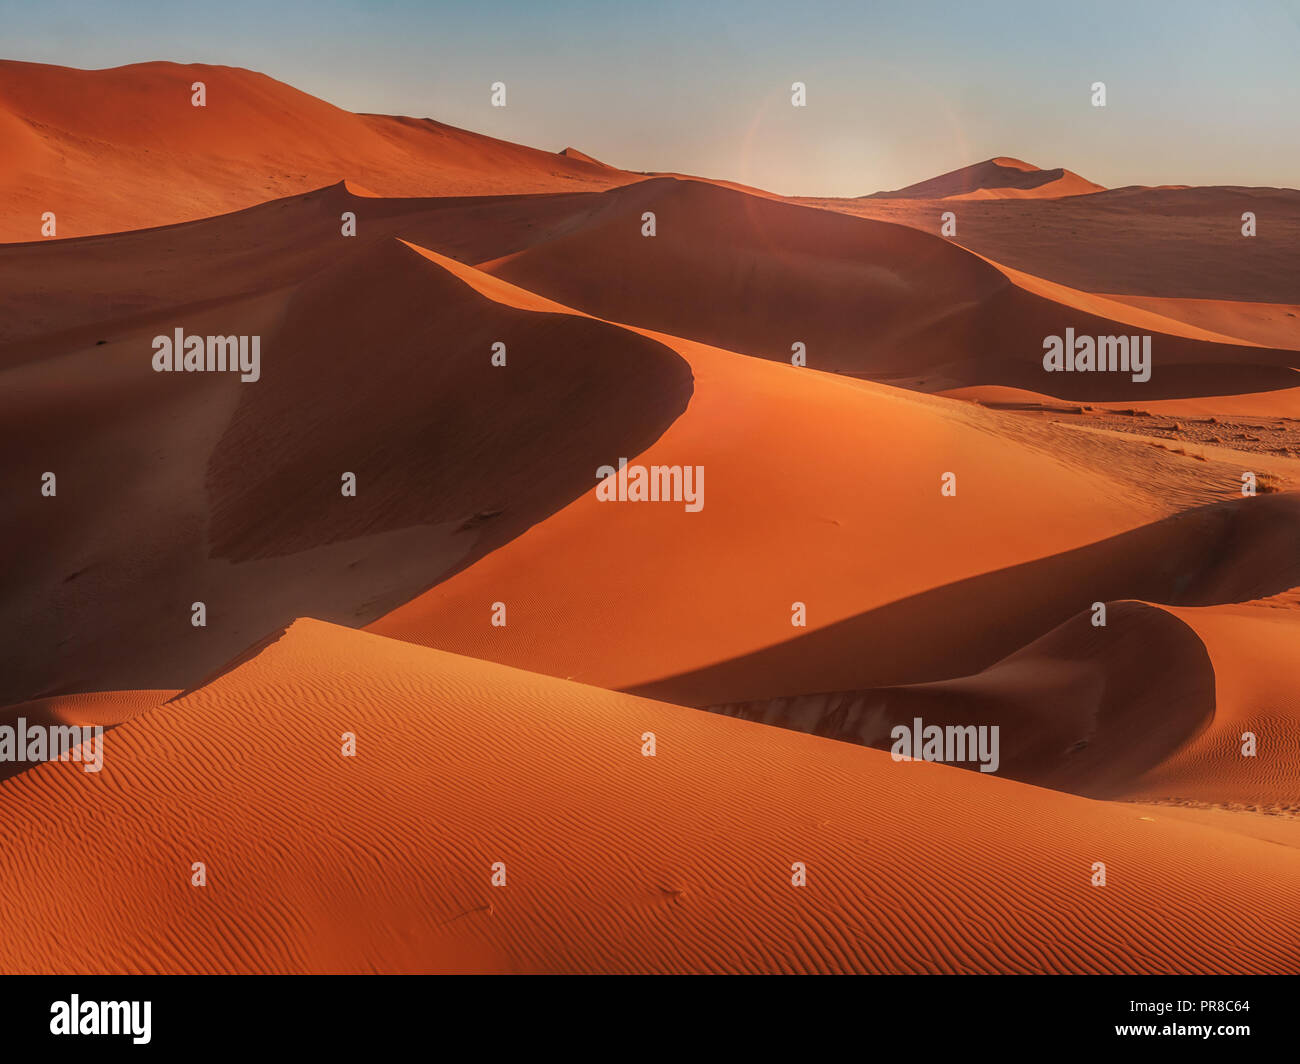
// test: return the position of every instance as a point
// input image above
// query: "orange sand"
(476, 486)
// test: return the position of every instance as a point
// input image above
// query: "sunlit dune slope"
(613, 861)
(125, 148)
(1223, 553)
(1257, 693)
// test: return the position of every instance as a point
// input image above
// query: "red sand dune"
(125, 148)
(1085, 708)
(1252, 647)
(289, 250)
(98, 709)
(235, 256)
(1001, 178)
(1168, 244)
(461, 439)
(1266, 324)
(783, 450)
(582, 157)
(866, 298)
(383, 861)
(1227, 552)
(181, 476)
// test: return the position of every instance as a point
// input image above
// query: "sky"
(1198, 91)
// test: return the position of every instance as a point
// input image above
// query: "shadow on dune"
(1225, 552)
(177, 488)
(383, 368)
(1084, 709)
(865, 297)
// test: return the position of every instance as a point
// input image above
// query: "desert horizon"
(435, 553)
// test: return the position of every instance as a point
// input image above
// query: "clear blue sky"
(1200, 91)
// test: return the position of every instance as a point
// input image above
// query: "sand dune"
(782, 452)
(1185, 706)
(865, 298)
(1257, 680)
(125, 148)
(384, 861)
(1266, 324)
(582, 157)
(167, 494)
(1084, 708)
(1000, 178)
(1224, 553)
(462, 440)
(851, 291)
(1147, 242)
(790, 421)
(255, 251)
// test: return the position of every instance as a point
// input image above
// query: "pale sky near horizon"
(1199, 91)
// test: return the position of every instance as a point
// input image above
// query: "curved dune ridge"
(781, 449)
(1228, 552)
(432, 431)
(1257, 694)
(1081, 709)
(384, 861)
(375, 361)
(259, 250)
(863, 297)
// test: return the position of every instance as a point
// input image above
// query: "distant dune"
(866, 298)
(1175, 243)
(124, 148)
(573, 153)
(1000, 178)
